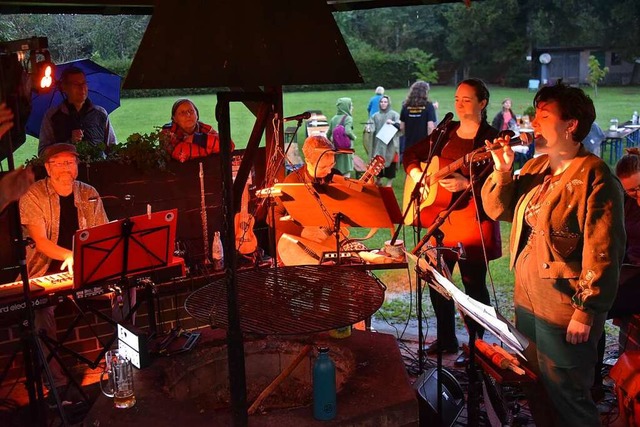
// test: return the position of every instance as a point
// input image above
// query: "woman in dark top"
(418, 115)
(467, 224)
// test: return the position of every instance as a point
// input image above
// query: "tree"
(596, 73)
(425, 63)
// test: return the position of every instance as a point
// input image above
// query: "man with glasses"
(77, 118)
(51, 211)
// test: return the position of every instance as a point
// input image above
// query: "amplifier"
(132, 344)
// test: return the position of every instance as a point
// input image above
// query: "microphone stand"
(416, 195)
(33, 355)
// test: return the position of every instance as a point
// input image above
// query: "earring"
(567, 134)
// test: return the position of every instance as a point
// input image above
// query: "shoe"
(434, 348)
(68, 397)
(461, 361)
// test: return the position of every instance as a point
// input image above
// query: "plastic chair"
(534, 84)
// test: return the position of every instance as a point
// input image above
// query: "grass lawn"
(144, 114)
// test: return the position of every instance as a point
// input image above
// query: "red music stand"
(122, 247)
(115, 250)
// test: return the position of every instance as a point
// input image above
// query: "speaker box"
(452, 398)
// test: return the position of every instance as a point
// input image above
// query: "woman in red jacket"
(186, 136)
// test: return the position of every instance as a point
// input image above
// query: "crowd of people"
(567, 261)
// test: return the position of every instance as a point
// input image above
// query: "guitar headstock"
(376, 165)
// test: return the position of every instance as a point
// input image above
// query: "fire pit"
(192, 388)
(203, 375)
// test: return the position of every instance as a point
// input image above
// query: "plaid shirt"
(41, 206)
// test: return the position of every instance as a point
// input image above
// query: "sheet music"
(484, 314)
(386, 133)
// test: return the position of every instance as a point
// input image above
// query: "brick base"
(170, 312)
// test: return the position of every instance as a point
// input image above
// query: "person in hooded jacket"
(344, 106)
(386, 116)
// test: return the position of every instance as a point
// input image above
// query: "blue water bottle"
(324, 386)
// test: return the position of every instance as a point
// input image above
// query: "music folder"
(361, 205)
(128, 246)
(484, 314)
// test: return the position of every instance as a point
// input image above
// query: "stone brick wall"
(170, 313)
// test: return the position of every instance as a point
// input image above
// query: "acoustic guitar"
(297, 250)
(246, 241)
(433, 197)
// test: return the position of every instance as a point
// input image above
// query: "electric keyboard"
(15, 288)
(64, 281)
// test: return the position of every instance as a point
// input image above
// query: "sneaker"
(434, 348)
(461, 361)
(68, 396)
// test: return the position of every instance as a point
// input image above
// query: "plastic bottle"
(217, 253)
(324, 386)
(634, 118)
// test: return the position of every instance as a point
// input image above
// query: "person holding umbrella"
(76, 118)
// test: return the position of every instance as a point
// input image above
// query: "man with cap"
(51, 211)
(318, 168)
(77, 118)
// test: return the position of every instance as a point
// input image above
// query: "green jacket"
(580, 229)
(344, 162)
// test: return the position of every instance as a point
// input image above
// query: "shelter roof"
(145, 7)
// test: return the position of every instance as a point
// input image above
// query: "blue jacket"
(60, 121)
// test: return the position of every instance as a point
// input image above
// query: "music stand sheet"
(99, 252)
(362, 205)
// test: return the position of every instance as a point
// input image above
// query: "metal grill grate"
(291, 300)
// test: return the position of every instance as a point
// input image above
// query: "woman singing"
(567, 244)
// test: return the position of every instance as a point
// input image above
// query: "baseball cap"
(56, 149)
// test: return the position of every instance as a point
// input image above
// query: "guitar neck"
(451, 167)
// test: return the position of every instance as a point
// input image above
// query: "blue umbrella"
(103, 85)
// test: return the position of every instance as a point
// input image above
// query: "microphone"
(444, 122)
(301, 116)
(522, 139)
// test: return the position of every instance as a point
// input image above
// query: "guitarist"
(318, 168)
(460, 138)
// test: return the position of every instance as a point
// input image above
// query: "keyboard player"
(51, 211)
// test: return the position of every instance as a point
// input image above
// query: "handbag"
(339, 136)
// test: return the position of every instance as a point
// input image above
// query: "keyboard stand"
(56, 346)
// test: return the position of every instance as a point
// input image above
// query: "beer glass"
(119, 384)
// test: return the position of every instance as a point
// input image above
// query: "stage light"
(42, 72)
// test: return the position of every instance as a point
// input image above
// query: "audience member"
(505, 119)
(390, 149)
(344, 162)
(76, 118)
(418, 115)
(374, 102)
(567, 245)
(188, 137)
(593, 140)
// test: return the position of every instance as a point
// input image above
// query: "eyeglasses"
(64, 164)
(633, 192)
(187, 113)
